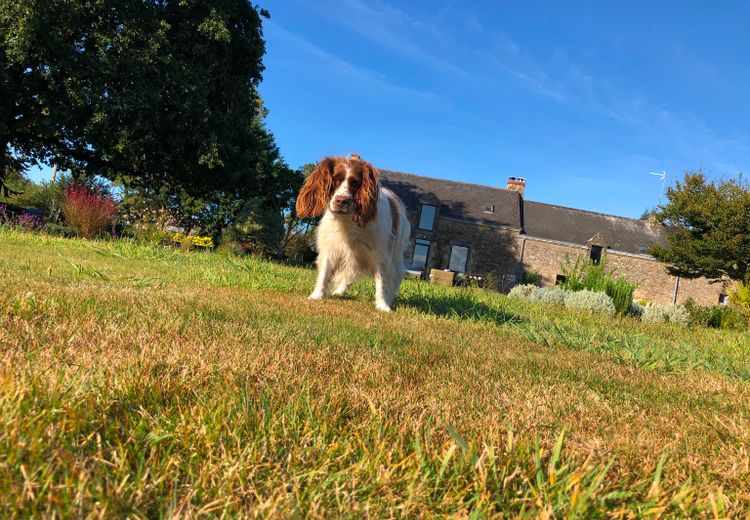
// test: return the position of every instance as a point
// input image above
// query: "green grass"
(148, 382)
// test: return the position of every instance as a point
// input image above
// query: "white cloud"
(394, 29)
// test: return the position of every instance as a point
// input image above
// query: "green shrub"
(703, 316)
(44, 196)
(489, 282)
(733, 319)
(661, 313)
(58, 230)
(636, 309)
(548, 295)
(257, 228)
(590, 300)
(300, 247)
(740, 298)
(522, 292)
(584, 274)
(715, 316)
(531, 278)
(574, 273)
(148, 233)
(621, 292)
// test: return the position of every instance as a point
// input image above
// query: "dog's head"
(343, 186)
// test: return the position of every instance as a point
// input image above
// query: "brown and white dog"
(363, 232)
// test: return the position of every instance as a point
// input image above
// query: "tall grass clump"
(660, 313)
(88, 211)
(590, 301)
(584, 274)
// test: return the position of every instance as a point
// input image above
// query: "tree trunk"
(4, 192)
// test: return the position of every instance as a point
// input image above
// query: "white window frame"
(466, 259)
(423, 243)
(421, 214)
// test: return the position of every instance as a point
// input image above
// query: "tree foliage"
(707, 226)
(157, 93)
(215, 212)
(257, 228)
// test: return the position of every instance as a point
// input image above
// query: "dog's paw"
(383, 307)
(316, 296)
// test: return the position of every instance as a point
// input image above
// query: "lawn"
(145, 381)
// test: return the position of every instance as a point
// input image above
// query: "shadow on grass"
(458, 305)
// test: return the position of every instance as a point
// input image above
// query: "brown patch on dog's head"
(358, 196)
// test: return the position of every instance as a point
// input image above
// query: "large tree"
(154, 92)
(707, 227)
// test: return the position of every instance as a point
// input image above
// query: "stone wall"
(491, 249)
(654, 283)
(700, 290)
(545, 257)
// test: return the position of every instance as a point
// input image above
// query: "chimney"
(516, 184)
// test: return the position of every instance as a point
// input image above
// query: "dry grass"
(149, 382)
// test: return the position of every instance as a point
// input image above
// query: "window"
(421, 250)
(459, 255)
(596, 254)
(723, 300)
(489, 208)
(560, 279)
(427, 217)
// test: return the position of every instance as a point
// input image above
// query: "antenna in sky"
(663, 176)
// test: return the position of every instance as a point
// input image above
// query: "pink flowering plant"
(88, 211)
(25, 220)
(29, 222)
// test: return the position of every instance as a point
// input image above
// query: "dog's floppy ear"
(367, 197)
(313, 197)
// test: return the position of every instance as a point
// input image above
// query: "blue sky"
(583, 99)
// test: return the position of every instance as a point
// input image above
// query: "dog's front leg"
(325, 271)
(382, 289)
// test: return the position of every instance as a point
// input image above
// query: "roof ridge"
(585, 211)
(513, 191)
(448, 180)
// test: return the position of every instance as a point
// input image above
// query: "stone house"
(473, 229)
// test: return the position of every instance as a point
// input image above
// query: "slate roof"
(456, 200)
(466, 202)
(578, 226)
